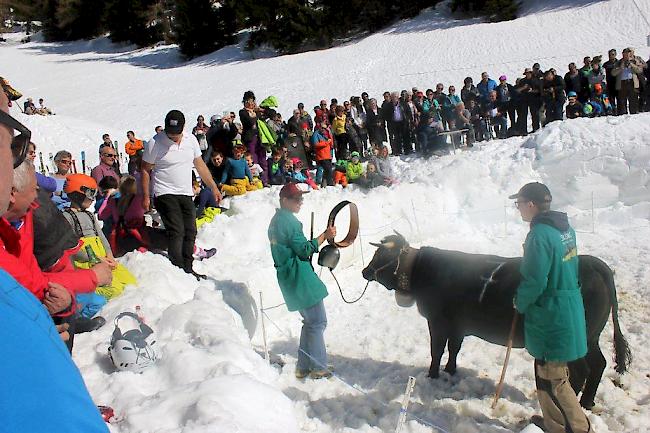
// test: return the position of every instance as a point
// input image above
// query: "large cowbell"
(329, 257)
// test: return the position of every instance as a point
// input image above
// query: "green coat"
(354, 171)
(549, 293)
(291, 251)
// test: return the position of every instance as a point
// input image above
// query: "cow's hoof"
(587, 404)
(433, 374)
(450, 370)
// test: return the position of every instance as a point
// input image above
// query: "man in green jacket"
(554, 317)
(301, 288)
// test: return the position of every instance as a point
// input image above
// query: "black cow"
(471, 294)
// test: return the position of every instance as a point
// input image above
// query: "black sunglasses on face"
(20, 142)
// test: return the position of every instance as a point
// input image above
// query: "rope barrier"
(355, 387)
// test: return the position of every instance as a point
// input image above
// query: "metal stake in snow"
(83, 162)
(266, 347)
(405, 404)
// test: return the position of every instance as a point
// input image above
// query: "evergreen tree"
(494, 10)
(135, 21)
(203, 26)
(79, 19)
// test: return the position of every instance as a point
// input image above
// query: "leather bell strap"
(353, 231)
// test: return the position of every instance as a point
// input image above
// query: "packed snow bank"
(207, 378)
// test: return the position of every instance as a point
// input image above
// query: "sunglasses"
(20, 142)
(64, 161)
(109, 155)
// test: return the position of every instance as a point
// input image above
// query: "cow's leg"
(438, 335)
(597, 363)
(453, 346)
(578, 371)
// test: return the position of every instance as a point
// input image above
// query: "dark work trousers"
(396, 131)
(613, 94)
(627, 93)
(179, 216)
(342, 142)
(534, 107)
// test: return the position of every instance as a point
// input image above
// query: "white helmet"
(134, 349)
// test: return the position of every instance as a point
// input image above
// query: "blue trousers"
(312, 342)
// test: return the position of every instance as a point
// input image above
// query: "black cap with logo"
(174, 122)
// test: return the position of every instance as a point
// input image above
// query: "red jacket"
(17, 259)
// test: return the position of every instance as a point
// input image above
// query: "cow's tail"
(622, 353)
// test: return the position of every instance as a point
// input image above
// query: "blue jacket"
(42, 390)
(236, 169)
(484, 89)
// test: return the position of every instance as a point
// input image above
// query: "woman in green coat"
(301, 288)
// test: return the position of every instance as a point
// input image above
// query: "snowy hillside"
(211, 376)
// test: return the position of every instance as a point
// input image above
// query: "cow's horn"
(375, 244)
(399, 234)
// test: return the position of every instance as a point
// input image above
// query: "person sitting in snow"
(239, 176)
(256, 170)
(354, 169)
(276, 168)
(371, 178)
(384, 167)
(300, 175)
(81, 190)
(340, 170)
(573, 108)
(601, 98)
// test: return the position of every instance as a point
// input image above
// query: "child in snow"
(371, 178)
(573, 108)
(339, 173)
(241, 179)
(256, 170)
(354, 169)
(300, 175)
(276, 168)
(81, 190)
(384, 168)
(203, 199)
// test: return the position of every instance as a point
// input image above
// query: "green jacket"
(291, 251)
(354, 171)
(549, 293)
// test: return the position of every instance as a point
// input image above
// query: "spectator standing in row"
(171, 155)
(134, 147)
(485, 86)
(576, 82)
(250, 133)
(553, 96)
(530, 89)
(506, 98)
(469, 91)
(608, 66)
(626, 72)
(200, 131)
(375, 124)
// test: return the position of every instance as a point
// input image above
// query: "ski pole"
(74, 166)
(83, 161)
(511, 337)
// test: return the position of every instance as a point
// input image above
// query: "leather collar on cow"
(405, 261)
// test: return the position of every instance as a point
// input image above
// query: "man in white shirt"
(170, 154)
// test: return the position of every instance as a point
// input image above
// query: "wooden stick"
(511, 337)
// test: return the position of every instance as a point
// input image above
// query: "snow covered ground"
(211, 376)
